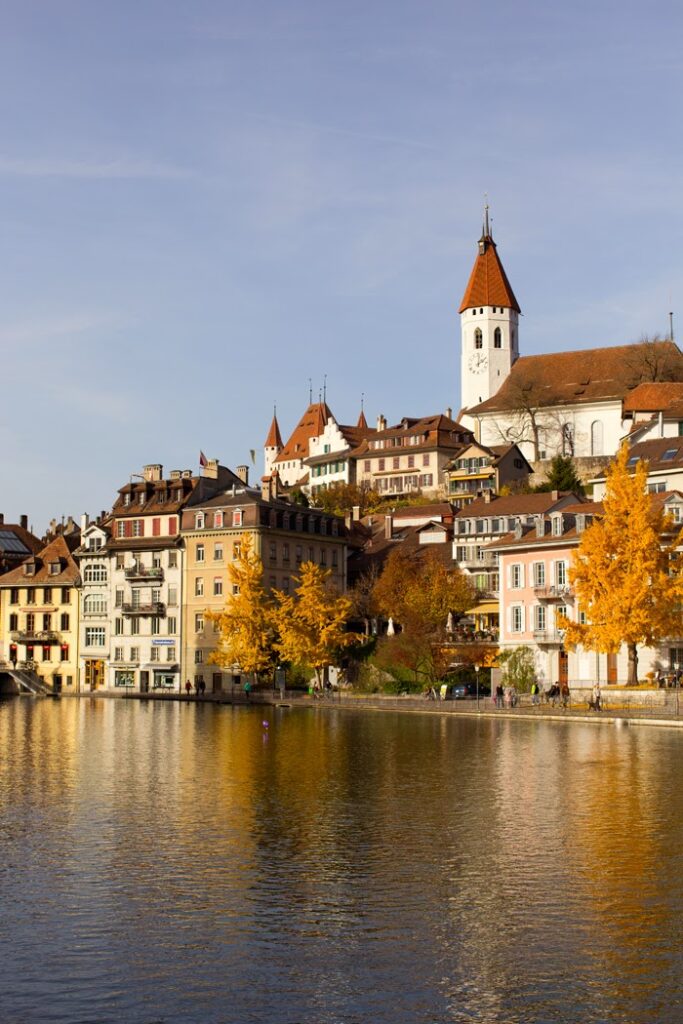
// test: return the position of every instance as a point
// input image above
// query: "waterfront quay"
(655, 707)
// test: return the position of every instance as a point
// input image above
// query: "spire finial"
(310, 391)
(487, 230)
(362, 401)
(325, 387)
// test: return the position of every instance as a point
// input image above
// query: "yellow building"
(39, 617)
(283, 535)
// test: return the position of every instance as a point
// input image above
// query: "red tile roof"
(515, 505)
(274, 440)
(311, 424)
(587, 375)
(488, 284)
(653, 396)
(58, 550)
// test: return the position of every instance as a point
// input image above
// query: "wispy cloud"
(56, 167)
(47, 329)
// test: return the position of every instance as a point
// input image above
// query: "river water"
(170, 862)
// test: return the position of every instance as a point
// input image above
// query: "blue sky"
(205, 204)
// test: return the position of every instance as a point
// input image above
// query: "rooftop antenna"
(671, 326)
(487, 230)
(325, 387)
(310, 391)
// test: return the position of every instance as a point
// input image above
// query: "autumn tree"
(311, 623)
(518, 667)
(362, 596)
(245, 624)
(627, 571)
(340, 498)
(654, 359)
(418, 591)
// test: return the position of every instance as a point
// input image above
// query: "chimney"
(153, 472)
(449, 413)
(540, 526)
(23, 522)
(487, 496)
(211, 469)
(2, 518)
(355, 514)
(555, 495)
(85, 519)
(381, 422)
(388, 527)
(175, 474)
(243, 474)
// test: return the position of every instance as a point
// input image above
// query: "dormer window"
(29, 568)
(580, 523)
(237, 517)
(557, 526)
(126, 499)
(55, 568)
(199, 521)
(217, 519)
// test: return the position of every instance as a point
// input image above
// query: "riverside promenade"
(619, 706)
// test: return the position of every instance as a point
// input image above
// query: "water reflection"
(186, 863)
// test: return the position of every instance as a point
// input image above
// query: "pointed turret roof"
(488, 284)
(274, 440)
(362, 422)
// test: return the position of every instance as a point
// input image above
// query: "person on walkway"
(202, 687)
(188, 687)
(247, 689)
(594, 703)
(564, 695)
(499, 696)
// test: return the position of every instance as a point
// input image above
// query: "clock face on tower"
(478, 362)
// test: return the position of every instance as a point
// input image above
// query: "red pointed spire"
(274, 440)
(488, 284)
(362, 422)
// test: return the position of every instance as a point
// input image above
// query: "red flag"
(203, 461)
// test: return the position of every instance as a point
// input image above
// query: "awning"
(485, 608)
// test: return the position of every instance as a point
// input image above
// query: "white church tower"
(489, 315)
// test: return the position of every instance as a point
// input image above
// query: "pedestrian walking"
(188, 687)
(202, 687)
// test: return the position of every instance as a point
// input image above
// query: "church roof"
(274, 440)
(588, 375)
(488, 284)
(311, 424)
(654, 396)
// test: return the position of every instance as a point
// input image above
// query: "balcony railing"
(484, 561)
(554, 593)
(144, 572)
(151, 608)
(35, 636)
(548, 636)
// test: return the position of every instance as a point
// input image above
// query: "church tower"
(273, 445)
(489, 315)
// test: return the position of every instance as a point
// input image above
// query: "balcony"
(35, 636)
(555, 593)
(483, 561)
(548, 636)
(151, 608)
(143, 572)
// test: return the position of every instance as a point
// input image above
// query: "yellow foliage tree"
(627, 571)
(246, 622)
(311, 624)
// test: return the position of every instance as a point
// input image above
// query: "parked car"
(466, 691)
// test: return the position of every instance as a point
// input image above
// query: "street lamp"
(476, 669)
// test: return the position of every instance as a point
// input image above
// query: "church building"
(567, 403)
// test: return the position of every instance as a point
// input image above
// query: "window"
(516, 619)
(138, 527)
(236, 551)
(199, 622)
(298, 554)
(96, 573)
(120, 561)
(380, 465)
(657, 488)
(199, 553)
(497, 338)
(411, 462)
(46, 653)
(237, 517)
(155, 654)
(14, 595)
(94, 604)
(171, 625)
(557, 526)
(559, 611)
(118, 654)
(198, 656)
(516, 576)
(170, 653)
(396, 462)
(30, 623)
(47, 595)
(155, 625)
(199, 587)
(217, 586)
(425, 460)
(669, 454)
(118, 597)
(199, 520)
(478, 338)
(561, 574)
(285, 552)
(135, 626)
(156, 561)
(135, 654)
(217, 520)
(173, 559)
(539, 618)
(272, 552)
(118, 627)
(366, 465)
(14, 621)
(597, 447)
(218, 552)
(235, 589)
(94, 636)
(539, 574)
(173, 596)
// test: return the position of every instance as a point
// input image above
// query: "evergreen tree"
(562, 476)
